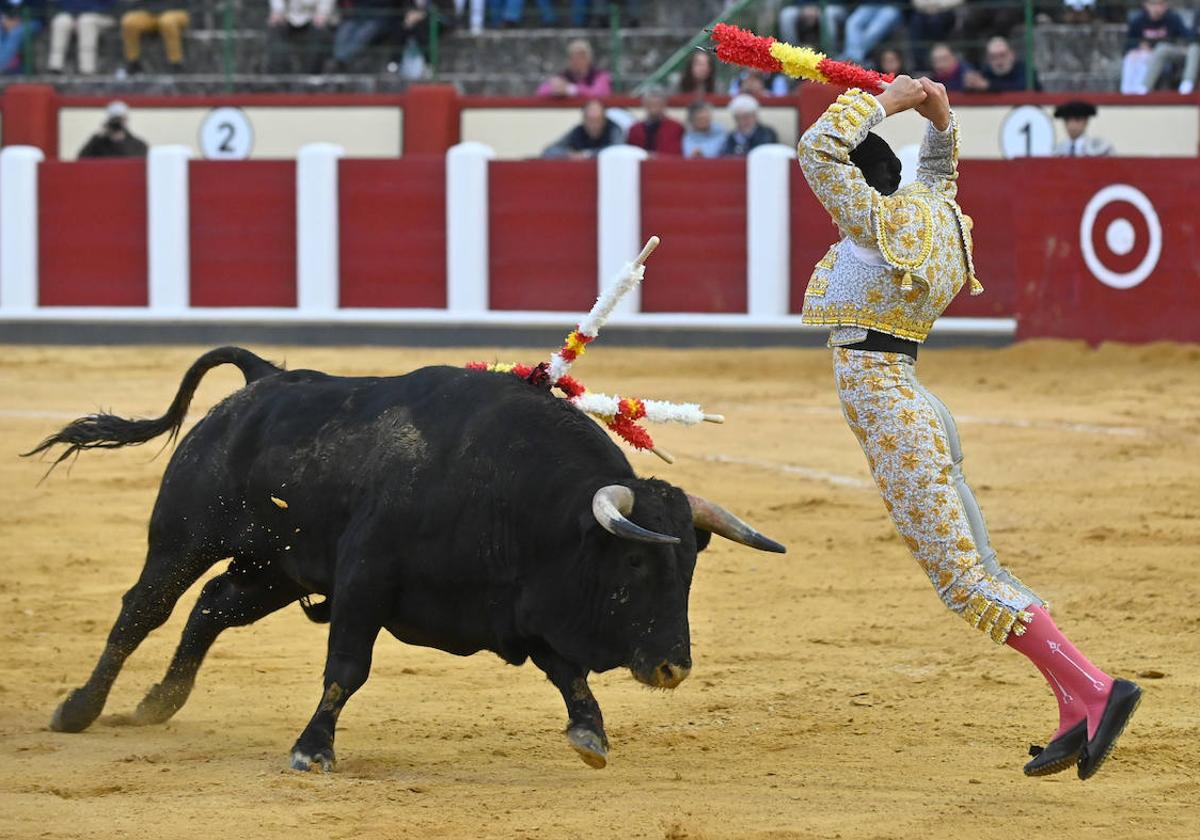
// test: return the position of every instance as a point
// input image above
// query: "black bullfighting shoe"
(1060, 753)
(1121, 703)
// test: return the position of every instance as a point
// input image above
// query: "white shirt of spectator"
(301, 12)
(1083, 146)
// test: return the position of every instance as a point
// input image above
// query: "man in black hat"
(1075, 116)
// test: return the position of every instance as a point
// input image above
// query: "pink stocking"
(1080, 687)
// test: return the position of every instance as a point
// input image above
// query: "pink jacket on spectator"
(595, 83)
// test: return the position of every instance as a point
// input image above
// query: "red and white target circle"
(1120, 236)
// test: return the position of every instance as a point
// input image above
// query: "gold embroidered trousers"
(912, 446)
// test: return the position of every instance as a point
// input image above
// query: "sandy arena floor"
(832, 695)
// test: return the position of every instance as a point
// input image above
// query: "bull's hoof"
(590, 746)
(75, 713)
(159, 705)
(322, 760)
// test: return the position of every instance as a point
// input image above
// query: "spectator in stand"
(703, 138)
(364, 22)
(748, 133)
(20, 22)
(581, 78)
(150, 17)
(596, 133)
(866, 26)
(1154, 27)
(1165, 51)
(889, 60)
(657, 133)
(700, 76)
(800, 22)
(1075, 116)
(86, 19)
(473, 13)
(299, 34)
(114, 139)
(1001, 70)
(930, 21)
(758, 85)
(511, 13)
(410, 37)
(952, 71)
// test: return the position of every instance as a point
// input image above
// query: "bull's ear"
(702, 539)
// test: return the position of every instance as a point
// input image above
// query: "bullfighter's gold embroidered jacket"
(903, 257)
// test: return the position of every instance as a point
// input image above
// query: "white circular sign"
(226, 134)
(1120, 236)
(1027, 131)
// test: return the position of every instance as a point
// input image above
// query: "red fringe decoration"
(849, 75)
(631, 432)
(737, 46)
(623, 424)
(570, 386)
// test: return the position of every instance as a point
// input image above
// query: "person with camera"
(114, 139)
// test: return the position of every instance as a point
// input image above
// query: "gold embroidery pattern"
(907, 450)
(851, 314)
(917, 230)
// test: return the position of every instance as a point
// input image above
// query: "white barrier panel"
(768, 230)
(19, 227)
(168, 240)
(467, 227)
(619, 217)
(317, 227)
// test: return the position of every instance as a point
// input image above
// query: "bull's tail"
(107, 431)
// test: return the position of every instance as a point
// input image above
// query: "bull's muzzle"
(664, 675)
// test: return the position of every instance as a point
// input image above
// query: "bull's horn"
(610, 506)
(711, 517)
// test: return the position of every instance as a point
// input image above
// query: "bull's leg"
(585, 724)
(242, 595)
(165, 577)
(359, 613)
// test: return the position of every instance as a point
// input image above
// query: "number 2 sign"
(226, 134)
(1027, 131)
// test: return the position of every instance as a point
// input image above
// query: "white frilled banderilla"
(620, 414)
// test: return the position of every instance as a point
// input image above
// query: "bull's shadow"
(457, 509)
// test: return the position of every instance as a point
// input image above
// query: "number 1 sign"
(226, 134)
(1027, 131)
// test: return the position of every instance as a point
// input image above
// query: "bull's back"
(338, 443)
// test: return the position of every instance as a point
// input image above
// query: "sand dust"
(832, 695)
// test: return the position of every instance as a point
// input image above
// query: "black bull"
(458, 509)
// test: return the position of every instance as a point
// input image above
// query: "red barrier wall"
(701, 217)
(243, 226)
(92, 233)
(1060, 293)
(542, 235)
(1028, 217)
(392, 232)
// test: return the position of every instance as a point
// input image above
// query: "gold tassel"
(906, 283)
(976, 286)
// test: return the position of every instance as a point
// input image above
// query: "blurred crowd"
(968, 45)
(704, 134)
